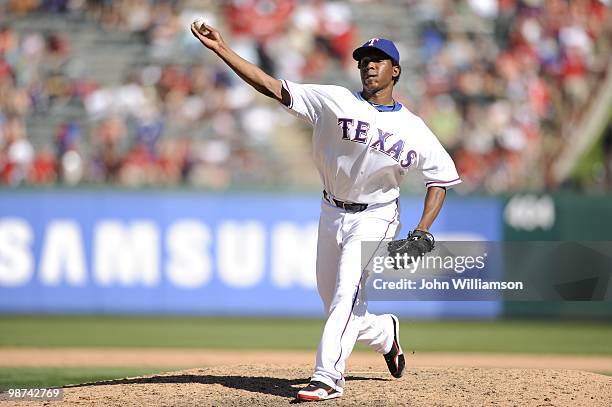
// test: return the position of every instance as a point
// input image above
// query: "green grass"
(173, 332)
(242, 333)
(55, 376)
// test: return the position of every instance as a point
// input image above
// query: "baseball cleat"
(395, 358)
(317, 391)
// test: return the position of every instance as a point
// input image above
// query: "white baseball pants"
(339, 274)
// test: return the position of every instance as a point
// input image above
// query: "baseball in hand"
(200, 25)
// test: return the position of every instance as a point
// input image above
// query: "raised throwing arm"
(250, 73)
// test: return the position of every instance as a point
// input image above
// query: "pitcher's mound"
(258, 385)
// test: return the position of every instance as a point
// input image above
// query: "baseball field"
(230, 361)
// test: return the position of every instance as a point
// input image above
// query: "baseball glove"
(415, 245)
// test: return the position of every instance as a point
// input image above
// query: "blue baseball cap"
(382, 44)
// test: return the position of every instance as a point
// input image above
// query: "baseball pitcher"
(363, 144)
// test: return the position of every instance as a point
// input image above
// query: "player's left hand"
(415, 245)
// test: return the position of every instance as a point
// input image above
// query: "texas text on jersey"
(362, 151)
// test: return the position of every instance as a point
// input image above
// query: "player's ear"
(397, 70)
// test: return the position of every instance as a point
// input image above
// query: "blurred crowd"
(501, 81)
(506, 104)
(175, 117)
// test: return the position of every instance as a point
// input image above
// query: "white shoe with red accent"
(395, 358)
(317, 391)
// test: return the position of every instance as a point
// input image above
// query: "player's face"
(376, 70)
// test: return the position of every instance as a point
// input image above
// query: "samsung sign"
(157, 252)
(139, 253)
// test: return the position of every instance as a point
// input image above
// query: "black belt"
(349, 207)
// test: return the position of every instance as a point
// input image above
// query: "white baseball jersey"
(362, 153)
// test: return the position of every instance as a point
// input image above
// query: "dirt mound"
(258, 385)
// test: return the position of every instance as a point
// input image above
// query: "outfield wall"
(185, 252)
(559, 217)
(76, 251)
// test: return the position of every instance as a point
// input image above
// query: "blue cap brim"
(359, 52)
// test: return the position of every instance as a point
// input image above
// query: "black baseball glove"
(415, 245)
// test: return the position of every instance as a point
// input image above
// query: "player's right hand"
(209, 36)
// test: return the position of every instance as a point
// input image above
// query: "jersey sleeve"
(307, 101)
(435, 163)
